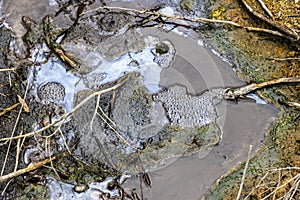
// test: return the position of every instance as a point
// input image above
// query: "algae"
(259, 57)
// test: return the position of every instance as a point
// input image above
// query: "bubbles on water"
(186, 110)
(51, 92)
(93, 81)
(53, 83)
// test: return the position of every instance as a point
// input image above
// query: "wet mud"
(187, 174)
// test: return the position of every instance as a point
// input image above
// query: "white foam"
(61, 191)
(149, 69)
(54, 71)
(256, 98)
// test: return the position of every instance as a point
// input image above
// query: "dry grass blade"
(15, 128)
(244, 173)
(23, 103)
(286, 187)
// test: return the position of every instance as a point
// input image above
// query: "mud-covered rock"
(130, 119)
(108, 34)
(161, 48)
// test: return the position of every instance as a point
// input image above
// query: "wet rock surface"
(133, 116)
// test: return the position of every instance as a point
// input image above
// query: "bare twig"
(95, 112)
(66, 115)
(263, 5)
(30, 167)
(233, 94)
(154, 15)
(18, 152)
(8, 70)
(244, 173)
(10, 108)
(279, 27)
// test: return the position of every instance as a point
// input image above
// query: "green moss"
(253, 53)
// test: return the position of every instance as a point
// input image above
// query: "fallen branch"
(30, 167)
(233, 94)
(159, 17)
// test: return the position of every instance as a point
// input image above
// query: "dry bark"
(233, 94)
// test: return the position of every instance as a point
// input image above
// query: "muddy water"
(243, 123)
(191, 177)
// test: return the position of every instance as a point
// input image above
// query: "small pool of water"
(193, 67)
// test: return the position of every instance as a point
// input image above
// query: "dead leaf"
(23, 103)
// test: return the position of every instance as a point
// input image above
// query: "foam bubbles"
(189, 111)
(52, 83)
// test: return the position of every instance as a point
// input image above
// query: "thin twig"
(244, 173)
(116, 132)
(10, 108)
(6, 186)
(95, 112)
(155, 15)
(284, 59)
(279, 27)
(15, 128)
(8, 70)
(65, 142)
(18, 152)
(30, 167)
(66, 115)
(265, 8)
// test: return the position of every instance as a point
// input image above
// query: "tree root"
(233, 94)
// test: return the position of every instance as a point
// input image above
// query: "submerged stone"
(162, 48)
